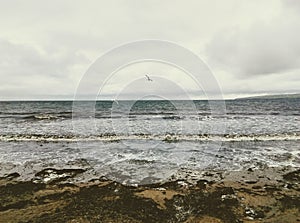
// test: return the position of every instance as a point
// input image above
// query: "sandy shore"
(269, 195)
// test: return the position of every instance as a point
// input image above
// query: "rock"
(202, 184)
(292, 176)
(228, 197)
(251, 182)
(50, 175)
(10, 176)
(183, 184)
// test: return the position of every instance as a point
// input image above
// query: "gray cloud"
(291, 4)
(45, 47)
(25, 69)
(265, 47)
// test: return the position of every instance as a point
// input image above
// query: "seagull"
(148, 78)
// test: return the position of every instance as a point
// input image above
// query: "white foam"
(167, 138)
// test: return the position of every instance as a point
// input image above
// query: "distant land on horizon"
(272, 96)
(267, 96)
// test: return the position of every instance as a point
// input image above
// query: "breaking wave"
(164, 137)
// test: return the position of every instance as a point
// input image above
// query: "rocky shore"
(269, 195)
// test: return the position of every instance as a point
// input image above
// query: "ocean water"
(148, 141)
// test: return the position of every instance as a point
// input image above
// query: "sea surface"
(148, 141)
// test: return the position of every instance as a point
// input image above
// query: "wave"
(37, 116)
(40, 117)
(264, 113)
(164, 137)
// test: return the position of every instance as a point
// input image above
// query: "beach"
(150, 111)
(269, 195)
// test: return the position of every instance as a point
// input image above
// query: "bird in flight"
(148, 78)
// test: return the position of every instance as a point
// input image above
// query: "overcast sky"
(251, 46)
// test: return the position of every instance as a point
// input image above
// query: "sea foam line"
(166, 138)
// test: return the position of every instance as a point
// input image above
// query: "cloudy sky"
(251, 46)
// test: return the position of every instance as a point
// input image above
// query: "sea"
(147, 141)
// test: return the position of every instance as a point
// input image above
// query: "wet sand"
(268, 195)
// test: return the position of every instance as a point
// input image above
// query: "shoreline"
(253, 195)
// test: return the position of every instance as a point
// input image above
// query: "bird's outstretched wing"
(148, 78)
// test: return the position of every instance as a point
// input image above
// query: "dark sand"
(269, 195)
